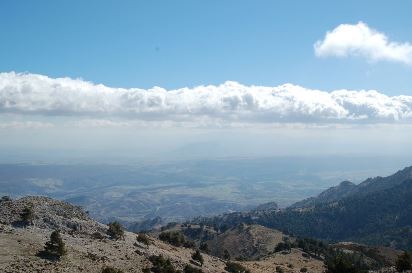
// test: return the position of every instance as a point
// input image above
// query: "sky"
(209, 78)
(189, 43)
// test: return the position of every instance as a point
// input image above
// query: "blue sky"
(84, 72)
(175, 44)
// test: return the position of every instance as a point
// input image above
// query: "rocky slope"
(20, 245)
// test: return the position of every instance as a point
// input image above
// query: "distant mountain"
(267, 207)
(347, 188)
(332, 194)
(377, 211)
(378, 217)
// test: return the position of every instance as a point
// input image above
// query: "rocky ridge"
(20, 245)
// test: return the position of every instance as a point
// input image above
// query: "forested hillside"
(377, 211)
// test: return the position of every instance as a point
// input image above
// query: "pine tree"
(204, 247)
(404, 262)
(198, 257)
(226, 255)
(55, 247)
(27, 216)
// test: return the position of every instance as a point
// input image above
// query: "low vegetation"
(236, 268)
(286, 245)
(115, 230)
(340, 262)
(311, 247)
(314, 247)
(109, 269)
(204, 248)
(161, 265)
(98, 236)
(191, 269)
(176, 238)
(5, 198)
(143, 238)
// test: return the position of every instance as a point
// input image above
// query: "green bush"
(143, 238)
(97, 235)
(109, 269)
(404, 262)
(282, 246)
(161, 265)
(175, 238)
(192, 269)
(312, 247)
(204, 247)
(340, 262)
(236, 268)
(115, 230)
(226, 255)
(27, 216)
(198, 257)
(5, 198)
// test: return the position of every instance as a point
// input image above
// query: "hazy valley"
(182, 190)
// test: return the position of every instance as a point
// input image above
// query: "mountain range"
(378, 211)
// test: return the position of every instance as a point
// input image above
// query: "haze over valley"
(182, 190)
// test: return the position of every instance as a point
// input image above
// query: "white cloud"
(360, 40)
(25, 125)
(231, 102)
(49, 184)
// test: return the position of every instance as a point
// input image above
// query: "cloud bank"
(26, 125)
(32, 94)
(360, 40)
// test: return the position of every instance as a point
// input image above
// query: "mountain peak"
(347, 188)
(346, 183)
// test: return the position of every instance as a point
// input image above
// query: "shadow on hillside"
(47, 256)
(21, 224)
